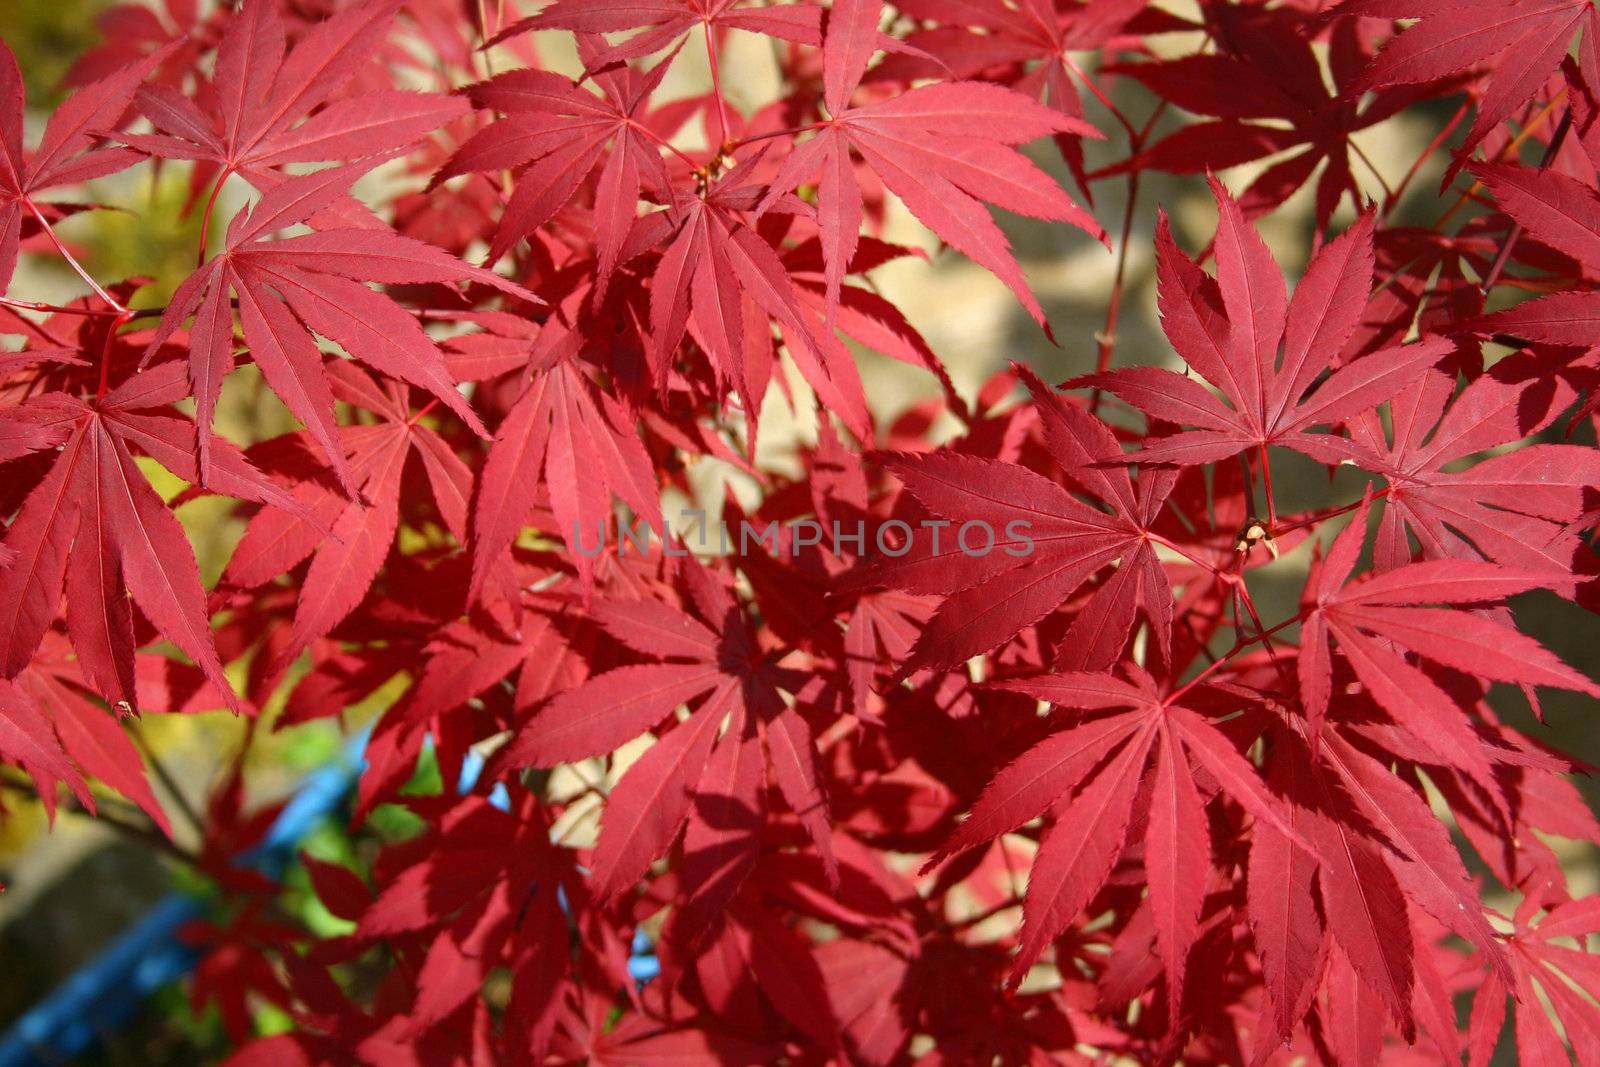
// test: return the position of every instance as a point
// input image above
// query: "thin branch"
(1427, 154)
(205, 219)
(169, 782)
(716, 88)
(1556, 141)
(72, 260)
(1239, 646)
(1507, 152)
(1266, 489)
(127, 825)
(57, 309)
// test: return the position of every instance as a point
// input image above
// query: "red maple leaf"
(556, 134)
(69, 151)
(348, 539)
(666, 20)
(1090, 775)
(1266, 73)
(1371, 618)
(1036, 545)
(265, 108)
(1564, 214)
(940, 148)
(94, 525)
(689, 774)
(1454, 36)
(1028, 47)
(1266, 354)
(717, 271)
(291, 288)
(1542, 961)
(577, 444)
(1516, 508)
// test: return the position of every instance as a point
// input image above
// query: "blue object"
(107, 993)
(643, 964)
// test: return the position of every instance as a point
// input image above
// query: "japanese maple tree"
(1081, 720)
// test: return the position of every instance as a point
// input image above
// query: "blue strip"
(107, 993)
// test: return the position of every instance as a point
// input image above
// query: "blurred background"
(72, 888)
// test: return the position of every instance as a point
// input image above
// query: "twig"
(1510, 149)
(72, 261)
(1556, 140)
(169, 783)
(1427, 154)
(716, 89)
(1239, 646)
(104, 806)
(205, 219)
(57, 309)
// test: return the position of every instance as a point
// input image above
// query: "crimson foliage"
(1243, 839)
